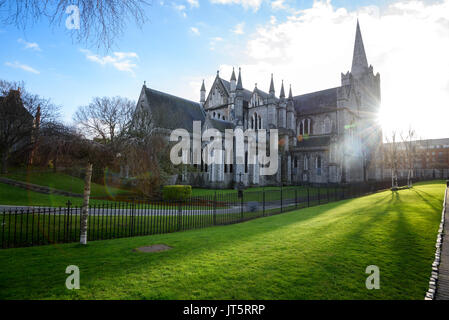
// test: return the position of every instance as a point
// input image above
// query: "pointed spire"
(290, 96)
(282, 94)
(239, 81)
(271, 86)
(233, 75)
(359, 61)
(203, 88)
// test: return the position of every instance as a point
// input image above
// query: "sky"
(308, 44)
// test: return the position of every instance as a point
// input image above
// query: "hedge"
(176, 192)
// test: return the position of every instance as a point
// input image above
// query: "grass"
(61, 181)
(316, 253)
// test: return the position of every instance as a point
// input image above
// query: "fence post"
(215, 208)
(319, 194)
(308, 197)
(241, 207)
(263, 203)
(179, 215)
(281, 199)
(296, 198)
(68, 220)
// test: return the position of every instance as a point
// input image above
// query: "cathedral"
(328, 136)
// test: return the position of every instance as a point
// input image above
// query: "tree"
(391, 154)
(105, 118)
(95, 22)
(408, 140)
(21, 114)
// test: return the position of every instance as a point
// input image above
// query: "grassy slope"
(315, 253)
(62, 181)
(15, 196)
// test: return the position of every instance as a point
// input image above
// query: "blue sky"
(307, 43)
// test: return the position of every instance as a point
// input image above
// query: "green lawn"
(15, 196)
(61, 181)
(315, 253)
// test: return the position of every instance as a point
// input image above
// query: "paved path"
(442, 292)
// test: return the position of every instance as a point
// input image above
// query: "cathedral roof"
(246, 93)
(219, 124)
(173, 112)
(319, 101)
(314, 142)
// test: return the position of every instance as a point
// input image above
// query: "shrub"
(176, 192)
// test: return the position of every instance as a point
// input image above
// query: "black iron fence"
(31, 226)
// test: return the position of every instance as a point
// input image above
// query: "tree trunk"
(85, 209)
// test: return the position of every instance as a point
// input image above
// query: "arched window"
(306, 163)
(295, 165)
(255, 121)
(318, 165)
(213, 115)
(252, 122)
(301, 128)
(260, 122)
(327, 124)
(223, 118)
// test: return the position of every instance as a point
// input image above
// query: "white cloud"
(122, 61)
(213, 42)
(193, 3)
(278, 4)
(195, 31)
(407, 42)
(24, 67)
(253, 4)
(239, 28)
(29, 45)
(181, 9)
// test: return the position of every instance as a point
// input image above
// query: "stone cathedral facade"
(328, 136)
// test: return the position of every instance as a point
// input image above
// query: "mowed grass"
(15, 196)
(65, 182)
(315, 253)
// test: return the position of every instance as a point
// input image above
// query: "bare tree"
(408, 140)
(100, 21)
(105, 118)
(391, 154)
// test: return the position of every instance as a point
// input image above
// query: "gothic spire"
(290, 96)
(233, 74)
(203, 88)
(282, 94)
(359, 61)
(271, 86)
(239, 81)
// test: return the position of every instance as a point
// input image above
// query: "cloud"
(24, 67)
(213, 42)
(195, 31)
(253, 4)
(193, 3)
(122, 61)
(29, 45)
(181, 9)
(278, 4)
(239, 28)
(407, 42)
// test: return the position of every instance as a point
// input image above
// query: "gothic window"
(301, 128)
(327, 125)
(252, 122)
(306, 163)
(295, 164)
(260, 122)
(246, 162)
(255, 121)
(213, 115)
(318, 165)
